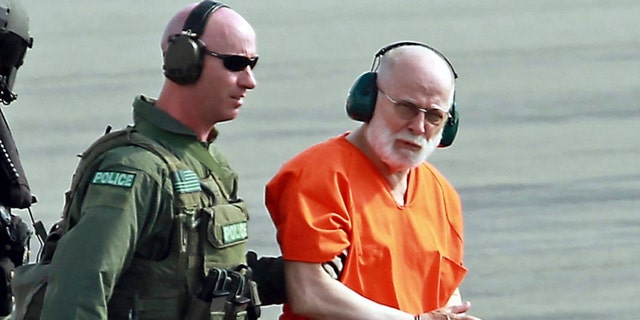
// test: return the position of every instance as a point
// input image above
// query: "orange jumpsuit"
(331, 197)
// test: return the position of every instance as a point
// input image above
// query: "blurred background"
(546, 160)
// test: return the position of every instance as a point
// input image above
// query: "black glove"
(268, 273)
(14, 238)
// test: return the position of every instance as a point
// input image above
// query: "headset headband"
(381, 52)
(197, 19)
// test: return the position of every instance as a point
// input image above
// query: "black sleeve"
(14, 188)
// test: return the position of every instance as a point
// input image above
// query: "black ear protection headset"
(184, 55)
(361, 100)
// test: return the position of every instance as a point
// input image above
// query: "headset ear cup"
(450, 128)
(183, 60)
(361, 100)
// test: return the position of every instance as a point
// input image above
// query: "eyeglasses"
(234, 63)
(407, 111)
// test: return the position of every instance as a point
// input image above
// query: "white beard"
(382, 142)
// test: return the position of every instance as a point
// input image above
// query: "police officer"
(155, 215)
(14, 188)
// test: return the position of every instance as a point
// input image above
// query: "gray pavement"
(546, 160)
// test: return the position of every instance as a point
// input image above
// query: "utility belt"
(226, 294)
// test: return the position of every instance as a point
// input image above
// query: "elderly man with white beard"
(369, 229)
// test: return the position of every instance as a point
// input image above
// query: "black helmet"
(14, 41)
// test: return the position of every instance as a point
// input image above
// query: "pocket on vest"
(228, 225)
(227, 233)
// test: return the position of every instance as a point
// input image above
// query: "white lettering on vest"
(113, 178)
(234, 232)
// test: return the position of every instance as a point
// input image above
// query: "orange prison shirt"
(331, 197)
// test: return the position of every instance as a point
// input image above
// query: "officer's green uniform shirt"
(126, 210)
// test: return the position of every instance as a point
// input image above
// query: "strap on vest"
(193, 147)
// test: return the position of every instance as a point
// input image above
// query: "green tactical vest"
(209, 230)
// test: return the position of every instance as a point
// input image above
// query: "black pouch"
(223, 296)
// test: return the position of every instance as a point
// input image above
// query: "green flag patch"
(186, 181)
(114, 178)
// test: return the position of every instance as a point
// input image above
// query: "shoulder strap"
(194, 148)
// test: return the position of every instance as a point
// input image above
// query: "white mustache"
(413, 139)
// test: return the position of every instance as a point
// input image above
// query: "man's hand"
(455, 312)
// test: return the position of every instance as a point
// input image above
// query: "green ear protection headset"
(361, 100)
(184, 55)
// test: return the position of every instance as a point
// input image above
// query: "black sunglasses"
(234, 63)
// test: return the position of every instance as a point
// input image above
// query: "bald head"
(415, 67)
(222, 24)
